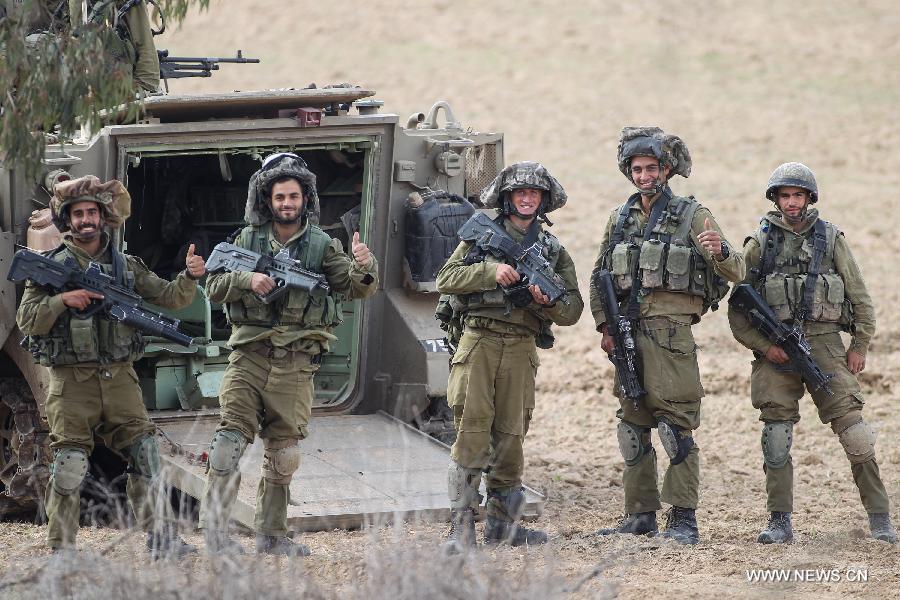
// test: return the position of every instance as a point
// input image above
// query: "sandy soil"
(747, 85)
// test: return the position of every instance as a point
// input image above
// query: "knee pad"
(676, 444)
(281, 461)
(70, 465)
(634, 442)
(143, 457)
(225, 451)
(776, 441)
(462, 486)
(858, 441)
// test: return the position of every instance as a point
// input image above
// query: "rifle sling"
(820, 244)
(631, 310)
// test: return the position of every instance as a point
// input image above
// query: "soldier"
(268, 384)
(93, 387)
(792, 251)
(491, 386)
(668, 259)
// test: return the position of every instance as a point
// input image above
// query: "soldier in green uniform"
(669, 262)
(267, 388)
(93, 387)
(491, 386)
(792, 251)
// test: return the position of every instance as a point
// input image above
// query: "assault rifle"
(179, 67)
(531, 265)
(747, 300)
(118, 303)
(625, 356)
(287, 272)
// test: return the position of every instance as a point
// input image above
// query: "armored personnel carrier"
(186, 162)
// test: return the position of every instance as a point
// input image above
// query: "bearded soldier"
(93, 387)
(668, 260)
(491, 386)
(794, 252)
(267, 388)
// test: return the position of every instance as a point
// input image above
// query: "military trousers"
(267, 392)
(776, 392)
(107, 401)
(671, 376)
(491, 392)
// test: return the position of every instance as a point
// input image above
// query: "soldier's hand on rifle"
(196, 266)
(776, 355)
(361, 253)
(80, 299)
(538, 296)
(261, 284)
(855, 362)
(607, 343)
(506, 275)
(711, 240)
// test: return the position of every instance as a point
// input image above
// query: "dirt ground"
(748, 85)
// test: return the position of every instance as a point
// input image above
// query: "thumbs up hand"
(361, 253)
(196, 266)
(710, 240)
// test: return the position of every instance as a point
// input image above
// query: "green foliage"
(55, 78)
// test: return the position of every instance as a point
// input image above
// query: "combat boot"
(778, 531)
(221, 543)
(880, 525)
(681, 526)
(504, 508)
(166, 543)
(280, 545)
(461, 536)
(638, 524)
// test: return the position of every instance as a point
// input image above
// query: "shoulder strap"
(618, 233)
(685, 212)
(820, 245)
(631, 310)
(311, 248)
(770, 247)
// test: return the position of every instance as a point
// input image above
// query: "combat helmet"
(274, 167)
(113, 198)
(668, 149)
(793, 174)
(519, 175)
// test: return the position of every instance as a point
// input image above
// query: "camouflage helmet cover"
(668, 149)
(113, 198)
(524, 174)
(793, 174)
(275, 167)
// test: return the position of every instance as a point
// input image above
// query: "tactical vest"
(296, 307)
(785, 264)
(667, 260)
(72, 341)
(452, 309)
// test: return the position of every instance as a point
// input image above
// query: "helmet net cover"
(112, 196)
(669, 150)
(525, 174)
(275, 167)
(792, 174)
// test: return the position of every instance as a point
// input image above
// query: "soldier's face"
(645, 172)
(792, 201)
(287, 201)
(526, 200)
(86, 220)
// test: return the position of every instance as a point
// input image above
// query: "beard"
(283, 221)
(86, 234)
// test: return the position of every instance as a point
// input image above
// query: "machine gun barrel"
(748, 301)
(118, 303)
(179, 67)
(625, 355)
